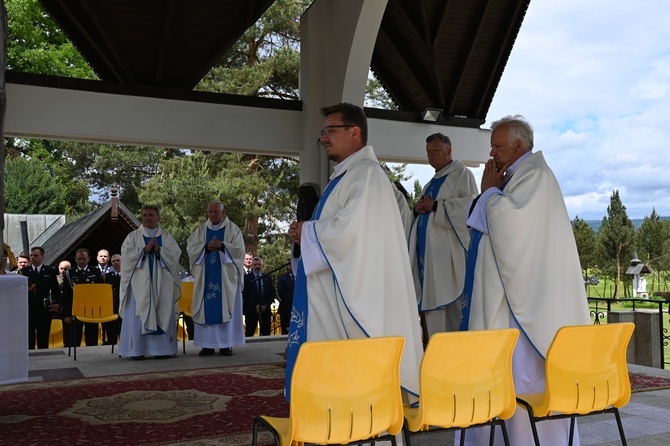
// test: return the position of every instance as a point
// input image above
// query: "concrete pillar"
(625, 316)
(645, 345)
(336, 43)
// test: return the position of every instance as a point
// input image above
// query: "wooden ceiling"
(447, 54)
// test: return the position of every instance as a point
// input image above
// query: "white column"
(337, 40)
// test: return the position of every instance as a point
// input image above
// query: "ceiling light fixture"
(431, 114)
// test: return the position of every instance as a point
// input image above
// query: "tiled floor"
(646, 418)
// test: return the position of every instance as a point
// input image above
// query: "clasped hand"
(152, 246)
(492, 176)
(295, 231)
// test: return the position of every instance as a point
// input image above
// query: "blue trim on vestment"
(431, 191)
(212, 297)
(297, 332)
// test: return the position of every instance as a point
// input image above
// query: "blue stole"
(470, 264)
(297, 332)
(422, 226)
(151, 258)
(213, 298)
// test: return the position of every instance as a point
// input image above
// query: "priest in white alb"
(216, 254)
(149, 289)
(439, 239)
(523, 269)
(354, 279)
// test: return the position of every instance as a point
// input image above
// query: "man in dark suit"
(44, 298)
(110, 330)
(258, 294)
(82, 273)
(285, 285)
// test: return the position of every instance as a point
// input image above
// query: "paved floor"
(646, 418)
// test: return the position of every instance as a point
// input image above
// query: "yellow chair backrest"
(346, 391)
(56, 334)
(466, 378)
(587, 370)
(186, 298)
(93, 301)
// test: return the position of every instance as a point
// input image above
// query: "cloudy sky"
(593, 77)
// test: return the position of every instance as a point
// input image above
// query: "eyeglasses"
(328, 130)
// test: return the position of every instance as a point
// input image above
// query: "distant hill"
(595, 224)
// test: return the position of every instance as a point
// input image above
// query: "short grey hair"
(444, 139)
(518, 128)
(218, 202)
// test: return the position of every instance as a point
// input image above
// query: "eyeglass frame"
(326, 130)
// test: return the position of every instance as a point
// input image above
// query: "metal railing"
(599, 306)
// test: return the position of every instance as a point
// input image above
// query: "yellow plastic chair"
(185, 310)
(587, 374)
(465, 381)
(91, 303)
(56, 334)
(342, 392)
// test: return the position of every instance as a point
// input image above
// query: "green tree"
(587, 244)
(265, 61)
(31, 189)
(185, 185)
(617, 236)
(376, 95)
(35, 44)
(102, 166)
(652, 241)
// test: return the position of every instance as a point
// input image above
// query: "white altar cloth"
(13, 328)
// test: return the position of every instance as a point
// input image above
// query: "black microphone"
(308, 197)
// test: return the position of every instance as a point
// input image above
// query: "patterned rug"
(198, 407)
(640, 382)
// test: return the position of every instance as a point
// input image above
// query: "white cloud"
(594, 80)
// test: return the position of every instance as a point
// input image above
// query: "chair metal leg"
(620, 426)
(536, 437)
(393, 441)
(572, 431)
(406, 433)
(183, 331)
(254, 435)
(504, 432)
(74, 344)
(260, 421)
(492, 433)
(462, 443)
(71, 338)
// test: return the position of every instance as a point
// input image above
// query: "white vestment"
(527, 275)
(231, 332)
(355, 257)
(447, 241)
(148, 296)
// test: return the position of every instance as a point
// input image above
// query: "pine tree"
(617, 237)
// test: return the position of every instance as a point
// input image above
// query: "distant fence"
(654, 311)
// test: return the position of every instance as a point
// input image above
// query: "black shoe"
(206, 352)
(226, 351)
(137, 358)
(162, 356)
